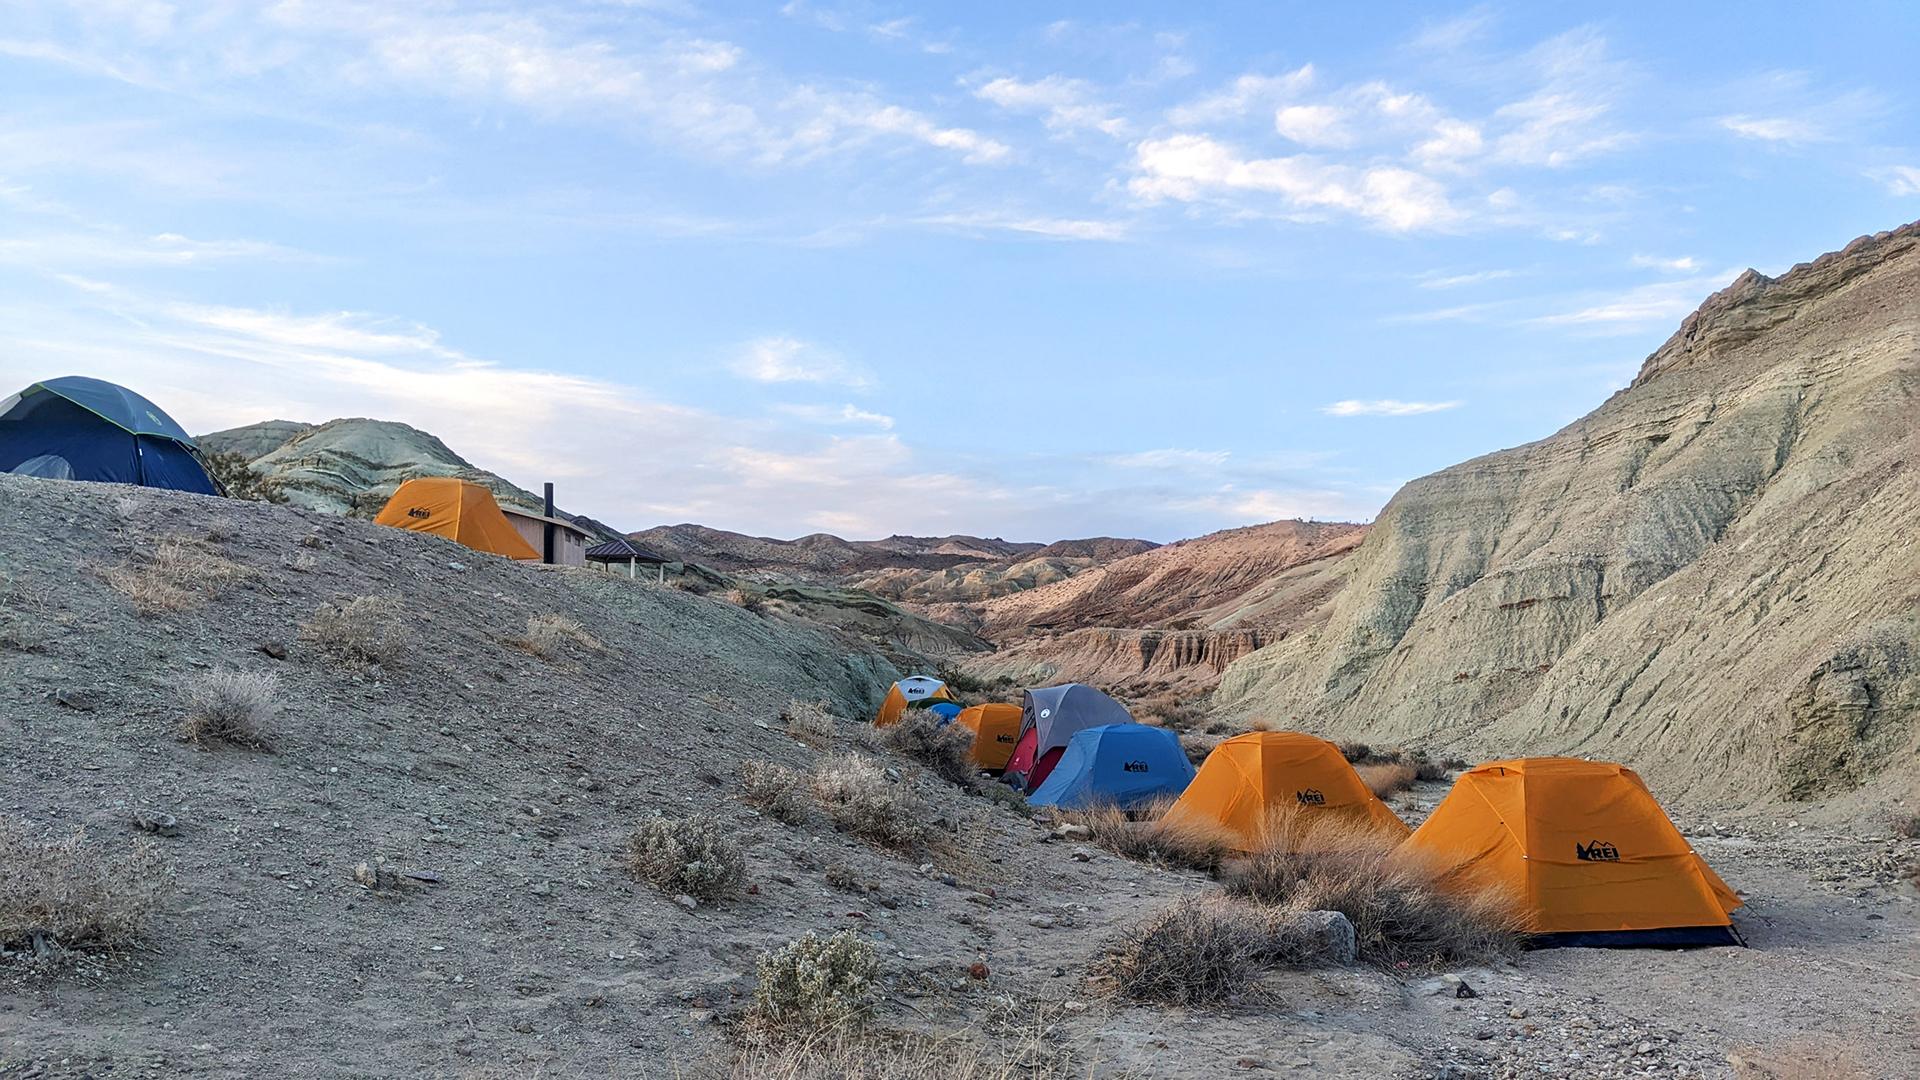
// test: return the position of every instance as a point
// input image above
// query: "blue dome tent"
(77, 428)
(945, 711)
(1123, 765)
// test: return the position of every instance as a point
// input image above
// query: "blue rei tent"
(1123, 765)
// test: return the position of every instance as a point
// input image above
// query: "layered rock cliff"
(1713, 576)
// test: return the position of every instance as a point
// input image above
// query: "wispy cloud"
(1456, 281)
(1898, 179)
(1681, 264)
(836, 416)
(1169, 458)
(1784, 129)
(781, 359)
(1064, 104)
(1190, 168)
(1387, 407)
(1658, 304)
(1049, 227)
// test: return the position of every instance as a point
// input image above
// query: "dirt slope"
(1173, 617)
(1712, 573)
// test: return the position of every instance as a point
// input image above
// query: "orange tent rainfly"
(458, 510)
(995, 727)
(913, 690)
(1250, 778)
(1587, 850)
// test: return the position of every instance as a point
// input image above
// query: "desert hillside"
(1170, 619)
(1711, 576)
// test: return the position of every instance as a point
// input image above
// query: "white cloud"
(1387, 407)
(781, 359)
(1065, 104)
(1051, 228)
(1659, 304)
(1455, 281)
(1683, 264)
(1242, 97)
(1169, 458)
(828, 415)
(1899, 179)
(1786, 129)
(1313, 125)
(1192, 167)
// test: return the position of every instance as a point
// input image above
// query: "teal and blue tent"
(1123, 765)
(77, 428)
(945, 710)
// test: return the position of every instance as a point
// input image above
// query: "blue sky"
(1027, 270)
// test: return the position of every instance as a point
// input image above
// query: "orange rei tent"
(1253, 780)
(458, 510)
(912, 690)
(1585, 847)
(995, 727)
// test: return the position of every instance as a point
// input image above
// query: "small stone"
(1082, 855)
(275, 649)
(1041, 922)
(71, 698)
(1073, 832)
(978, 970)
(1249, 1063)
(156, 822)
(1324, 936)
(1643, 1049)
(687, 902)
(1517, 1014)
(1059, 973)
(1483, 1034)
(541, 888)
(700, 1016)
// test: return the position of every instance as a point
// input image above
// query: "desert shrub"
(549, 636)
(946, 751)
(67, 894)
(685, 855)
(235, 473)
(775, 790)
(1197, 747)
(1196, 951)
(1169, 709)
(174, 574)
(841, 876)
(1383, 779)
(1262, 723)
(861, 799)
(747, 600)
(808, 721)
(963, 682)
(1426, 770)
(1401, 914)
(230, 707)
(1906, 824)
(867, 1053)
(1356, 752)
(1156, 840)
(813, 983)
(360, 632)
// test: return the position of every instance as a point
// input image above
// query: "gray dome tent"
(1049, 718)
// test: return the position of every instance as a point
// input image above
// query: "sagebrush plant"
(71, 893)
(775, 790)
(686, 855)
(225, 706)
(747, 600)
(173, 574)
(1402, 913)
(813, 983)
(1906, 824)
(862, 800)
(1385, 779)
(811, 722)
(1196, 951)
(1149, 836)
(946, 751)
(551, 635)
(359, 632)
(865, 1052)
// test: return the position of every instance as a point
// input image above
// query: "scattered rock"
(1073, 832)
(70, 697)
(978, 970)
(1041, 922)
(1323, 937)
(154, 821)
(686, 902)
(275, 649)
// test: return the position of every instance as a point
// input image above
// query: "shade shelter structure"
(80, 428)
(1259, 782)
(457, 509)
(622, 550)
(1585, 848)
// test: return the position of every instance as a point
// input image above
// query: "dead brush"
(1905, 824)
(864, 1053)
(364, 631)
(72, 894)
(232, 707)
(1151, 837)
(946, 751)
(810, 722)
(549, 636)
(1402, 914)
(747, 600)
(775, 790)
(696, 857)
(1385, 779)
(814, 984)
(1197, 951)
(861, 799)
(175, 574)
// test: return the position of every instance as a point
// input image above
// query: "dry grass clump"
(774, 790)
(863, 1053)
(1401, 914)
(175, 574)
(1156, 840)
(1906, 824)
(549, 636)
(685, 855)
(1385, 779)
(1196, 951)
(946, 751)
(862, 800)
(1169, 709)
(71, 894)
(361, 632)
(747, 600)
(810, 722)
(813, 984)
(230, 707)
(1198, 747)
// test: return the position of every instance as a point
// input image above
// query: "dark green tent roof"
(115, 404)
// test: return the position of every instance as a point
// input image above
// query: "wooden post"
(629, 568)
(546, 553)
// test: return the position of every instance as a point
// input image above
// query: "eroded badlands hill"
(1715, 571)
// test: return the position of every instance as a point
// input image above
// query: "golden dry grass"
(230, 707)
(550, 636)
(359, 632)
(71, 893)
(1149, 836)
(1387, 778)
(177, 573)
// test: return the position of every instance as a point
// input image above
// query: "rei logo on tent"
(419, 512)
(1005, 737)
(1596, 851)
(1310, 797)
(1134, 766)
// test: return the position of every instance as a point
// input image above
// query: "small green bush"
(684, 855)
(862, 800)
(814, 983)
